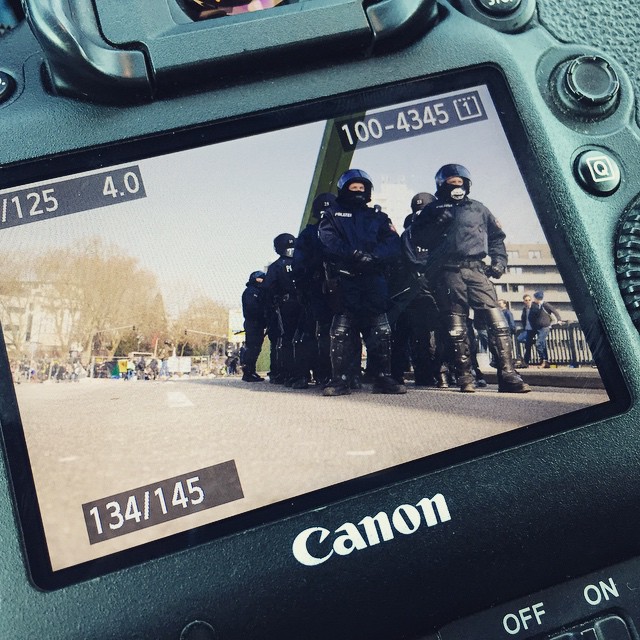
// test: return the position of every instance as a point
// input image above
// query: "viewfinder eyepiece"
(206, 9)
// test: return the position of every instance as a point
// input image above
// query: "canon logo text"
(316, 545)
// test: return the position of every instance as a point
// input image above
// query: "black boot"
(387, 384)
(481, 383)
(443, 380)
(379, 357)
(337, 387)
(509, 381)
(300, 383)
(462, 352)
(341, 357)
(250, 375)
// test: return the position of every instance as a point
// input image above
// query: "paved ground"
(91, 439)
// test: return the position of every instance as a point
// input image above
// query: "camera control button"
(7, 86)
(608, 628)
(597, 172)
(592, 80)
(498, 8)
(198, 630)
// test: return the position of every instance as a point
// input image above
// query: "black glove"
(445, 216)
(363, 259)
(494, 270)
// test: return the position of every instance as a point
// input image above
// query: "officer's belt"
(469, 263)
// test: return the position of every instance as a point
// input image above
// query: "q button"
(597, 172)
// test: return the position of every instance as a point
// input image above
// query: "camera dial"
(587, 86)
(628, 262)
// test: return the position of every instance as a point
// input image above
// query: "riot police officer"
(284, 310)
(415, 318)
(459, 234)
(312, 342)
(254, 310)
(358, 241)
(418, 202)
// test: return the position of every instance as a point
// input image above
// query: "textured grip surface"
(628, 263)
(614, 28)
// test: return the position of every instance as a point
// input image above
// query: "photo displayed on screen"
(196, 335)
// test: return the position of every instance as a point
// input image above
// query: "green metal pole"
(332, 162)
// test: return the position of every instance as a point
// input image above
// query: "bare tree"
(205, 321)
(97, 290)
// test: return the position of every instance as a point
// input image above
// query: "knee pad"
(457, 327)
(495, 320)
(380, 327)
(340, 327)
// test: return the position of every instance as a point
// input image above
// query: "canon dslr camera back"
(319, 319)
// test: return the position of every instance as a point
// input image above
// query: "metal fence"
(566, 345)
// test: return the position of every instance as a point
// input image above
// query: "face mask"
(453, 192)
(354, 198)
(289, 253)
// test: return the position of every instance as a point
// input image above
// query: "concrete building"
(35, 322)
(532, 268)
(395, 200)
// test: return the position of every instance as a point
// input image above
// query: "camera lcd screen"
(120, 303)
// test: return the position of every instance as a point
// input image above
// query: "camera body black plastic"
(526, 515)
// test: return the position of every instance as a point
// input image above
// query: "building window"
(513, 255)
(535, 254)
(517, 288)
(516, 270)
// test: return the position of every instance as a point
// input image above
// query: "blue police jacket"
(345, 229)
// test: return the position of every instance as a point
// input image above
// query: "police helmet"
(452, 171)
(351, 176)
(283, 244)
(255, 275)
(321, 203)
(420, 201)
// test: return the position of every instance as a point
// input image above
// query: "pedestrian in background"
(504, 306)
(540, 319)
